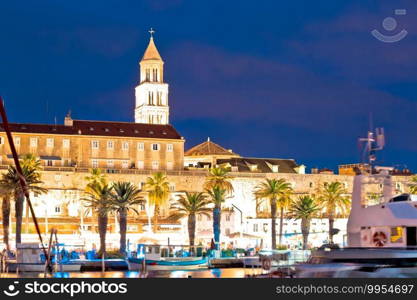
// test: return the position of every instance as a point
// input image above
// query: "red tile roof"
(100, 128)
(209, 148)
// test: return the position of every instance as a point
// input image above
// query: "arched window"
(148, 75)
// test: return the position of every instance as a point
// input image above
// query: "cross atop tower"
(151, 32)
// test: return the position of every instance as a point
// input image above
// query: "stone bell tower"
(152, 92)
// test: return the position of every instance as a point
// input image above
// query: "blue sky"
(288, 79)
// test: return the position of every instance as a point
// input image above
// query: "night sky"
(283, 79)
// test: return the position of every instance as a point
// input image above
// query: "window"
(170, 147)
(57, 209)
(199, 217)
(170, 165)
(125, 146)
(94, 144)
(132, 228)
(125, 164)
(228, 217)
(227, 231)
(172, 187)
(16, 141)
(49, 163)
(1, 140)
(33, 142)
(110, 163)
(311, 185)
(141, 146)
(141, 165)
(155, 165)
(155, 147)
(398, 186)
(255, 227)
(396, 234)
(49, 142)
(110, 145)
(94, 163)
(65, 143)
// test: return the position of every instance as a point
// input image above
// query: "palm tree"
(30, 161)
(304, 209)
(12, 180)
(413, 185)
(157, 187)
(98, 200)
(333, 199)
(124, 197)
(219, 177)
(190, 205)
(6, 194)
(96, 176)
(277, 192)
(217, 196)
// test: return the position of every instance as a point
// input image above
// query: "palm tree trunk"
(155, 219)
(331, 225)
(5, 208)
(191, 229)
(102, 230)
(123, 230)
(216, 225)
(281, 224)
(273, 225)
(26, 218)
(20, 198)
(305, 230)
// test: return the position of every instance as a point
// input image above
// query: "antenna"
(373, 142)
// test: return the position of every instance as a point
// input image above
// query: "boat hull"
(40, 267)
(135, 264)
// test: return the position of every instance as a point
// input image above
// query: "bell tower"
(152, 92)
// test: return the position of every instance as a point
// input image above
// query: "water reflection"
(203, 273)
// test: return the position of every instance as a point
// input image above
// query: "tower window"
(155, 75)
(148, 75)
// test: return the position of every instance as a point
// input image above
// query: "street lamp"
(241, 220)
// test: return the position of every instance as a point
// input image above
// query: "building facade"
(133, 151)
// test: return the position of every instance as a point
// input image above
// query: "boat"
(31, 259)
(149, 257)
(381, 235)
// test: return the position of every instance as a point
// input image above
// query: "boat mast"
(22, 180)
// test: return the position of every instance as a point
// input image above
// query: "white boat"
(148, 257)
(29, 260)
(40, 267)
(381, 236)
